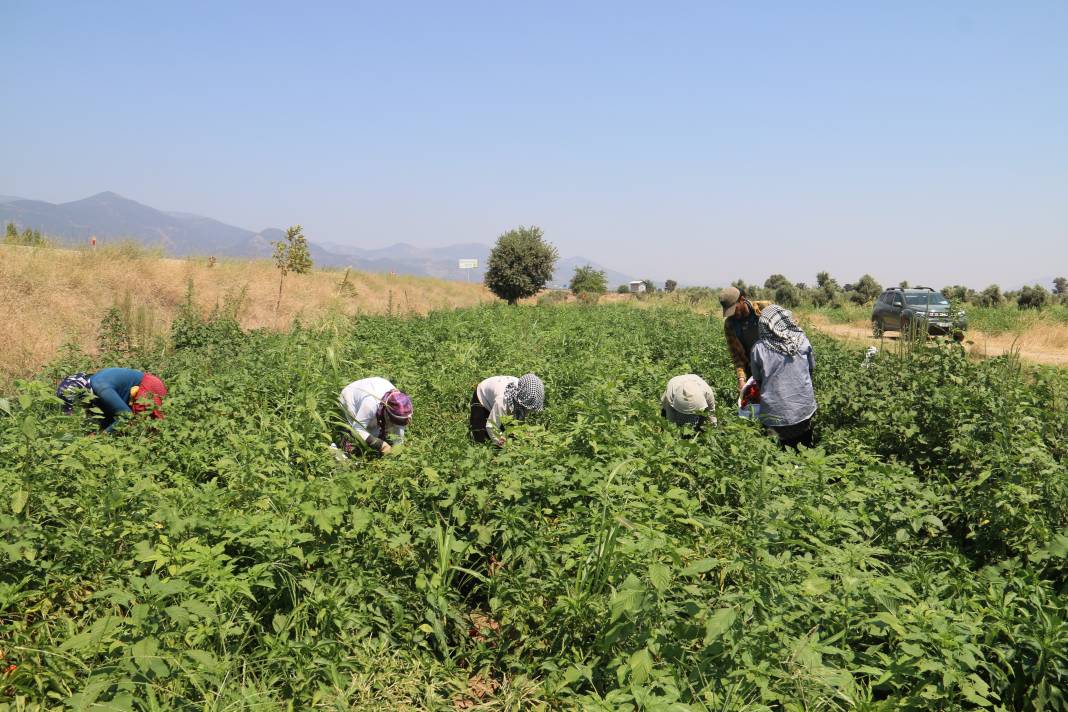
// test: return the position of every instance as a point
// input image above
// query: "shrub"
(588, 279)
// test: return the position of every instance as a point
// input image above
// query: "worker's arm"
(756, 365)
(737, 350)
(493, 422)
(112, 404)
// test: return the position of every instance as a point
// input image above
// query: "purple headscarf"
(396, 408)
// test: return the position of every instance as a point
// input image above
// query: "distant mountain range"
(109, 217)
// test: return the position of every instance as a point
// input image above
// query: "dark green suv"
(903, 310)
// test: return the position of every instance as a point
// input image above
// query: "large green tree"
(520, 264)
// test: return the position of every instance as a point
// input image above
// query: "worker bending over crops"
(783, 364)
(689, 400)
(740, 316)
(114, 391)
(498, 396)
(376, 412)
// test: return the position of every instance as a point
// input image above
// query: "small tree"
(588, 279)
(904, 284)
(291, 255)
(990, 297)
(669, 286)
(520, 264)
(867, 288)
(623, 289)
(11, 234)
(1034, 297)
(775, 281)
(1060, 286)
(787, 295)
(650, 288)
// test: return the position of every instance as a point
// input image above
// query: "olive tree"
(520, 264)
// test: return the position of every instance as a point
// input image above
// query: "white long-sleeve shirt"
(491, 396)
(360, 401)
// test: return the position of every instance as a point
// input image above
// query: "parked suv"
(899, 309)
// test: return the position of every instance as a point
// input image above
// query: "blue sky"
(696, 141)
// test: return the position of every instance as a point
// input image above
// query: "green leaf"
(698, 567)
(641, 664)
(660, 577)
(18, 500)
(815, 586)
(718, 624)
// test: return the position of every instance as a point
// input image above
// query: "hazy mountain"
(8, 198)
(109, 217)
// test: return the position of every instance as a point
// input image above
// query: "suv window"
(923, 299)
(897, 301)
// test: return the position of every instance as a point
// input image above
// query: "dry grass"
(49, 297)
(1040, 342)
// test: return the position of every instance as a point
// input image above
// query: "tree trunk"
(277, 304)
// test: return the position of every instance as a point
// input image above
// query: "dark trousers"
(479, 416)
(794, 435)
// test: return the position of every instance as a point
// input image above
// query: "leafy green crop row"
(224, 559)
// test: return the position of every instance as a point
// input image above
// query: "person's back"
(783, 363)
(787, 396)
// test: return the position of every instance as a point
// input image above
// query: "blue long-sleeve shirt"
(111, 386)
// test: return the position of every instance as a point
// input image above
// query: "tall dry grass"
(49, 296)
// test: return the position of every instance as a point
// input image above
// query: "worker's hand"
(499, 441)
(386, 449)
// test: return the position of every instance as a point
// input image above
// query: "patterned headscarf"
(396, 407)
(72, 389)
(526, 394)
(779, 330)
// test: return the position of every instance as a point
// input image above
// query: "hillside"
(49, 297)
(111, 218)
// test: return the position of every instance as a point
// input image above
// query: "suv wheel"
(876, 328)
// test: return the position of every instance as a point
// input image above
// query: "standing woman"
(783, 364)
(115, 391)
(498, 396)
(740, 318)
(377, 412)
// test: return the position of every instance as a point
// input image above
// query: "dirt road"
(978, 344)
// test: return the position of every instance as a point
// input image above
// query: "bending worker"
(114, 391)
(740, 316)
(783, 365)
(376, 412)
(689, 400)
(498, 396)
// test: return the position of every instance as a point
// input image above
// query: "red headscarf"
(151, 386)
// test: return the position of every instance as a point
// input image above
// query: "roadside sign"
(468, 264)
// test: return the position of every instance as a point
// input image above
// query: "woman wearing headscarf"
(689, 400)
(114, 391)
(498, 396)
(783, 364)
(377, 412)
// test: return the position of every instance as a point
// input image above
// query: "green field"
(225, 560)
